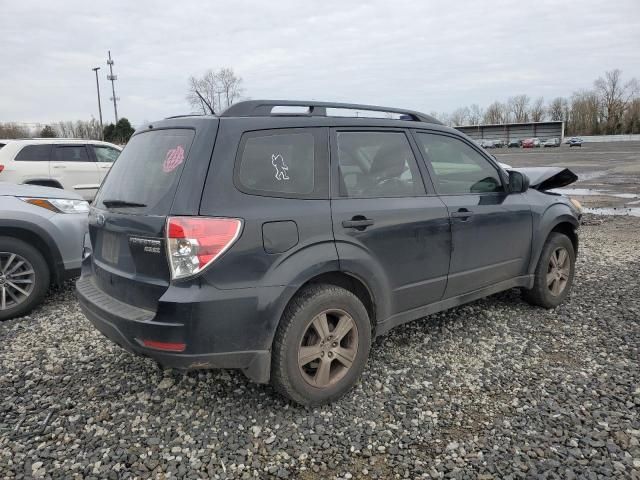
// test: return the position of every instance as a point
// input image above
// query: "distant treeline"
(90, 129)
(611, 106)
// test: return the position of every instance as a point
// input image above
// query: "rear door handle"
(358, 222)
(59, 166)
(462, 213)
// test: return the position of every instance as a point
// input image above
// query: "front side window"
(377, 164)
(278, 164)
(34, 153)
(70, 153)
(458, 168)
(105, 154)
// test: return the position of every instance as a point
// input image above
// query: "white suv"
(76, 165)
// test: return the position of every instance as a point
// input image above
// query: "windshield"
(145, 176)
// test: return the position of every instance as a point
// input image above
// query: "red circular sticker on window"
(175, 156)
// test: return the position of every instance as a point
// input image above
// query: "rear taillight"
(193, 243)
(1, 167)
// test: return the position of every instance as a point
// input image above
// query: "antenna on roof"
(205, 102)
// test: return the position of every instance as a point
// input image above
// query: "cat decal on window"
(281, 168)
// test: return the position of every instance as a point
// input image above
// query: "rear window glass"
(147, 172)
(70, 153)
(278, 163)
(34, 153)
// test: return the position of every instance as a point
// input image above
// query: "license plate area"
(110, 251)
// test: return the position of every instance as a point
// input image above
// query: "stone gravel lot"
(494, 389)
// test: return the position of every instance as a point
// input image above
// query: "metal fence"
(515, 131)
(610, 138)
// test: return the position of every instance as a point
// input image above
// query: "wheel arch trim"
(46, 182)
(31, 233)
(558, 215)
(329, 273)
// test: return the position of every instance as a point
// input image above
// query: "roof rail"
(263, 108)
(53, 139)
(186, 115)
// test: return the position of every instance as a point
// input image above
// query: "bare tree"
(65, 129)
(475, 114)
(497, 112)
(230, 85)
(203, 91)
(80, 129)
(13, 130)
(584, 113)
(219, 89)
(556, 109)
(519, 108)
(632, 117)
(443, 117)
(614, 96)
(537, 110)
(460, 116)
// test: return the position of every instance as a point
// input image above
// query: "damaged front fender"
(547, 178)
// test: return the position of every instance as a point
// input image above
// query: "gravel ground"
(495, 389)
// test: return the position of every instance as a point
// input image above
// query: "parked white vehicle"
(73, 164)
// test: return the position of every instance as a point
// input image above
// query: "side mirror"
(518, 182)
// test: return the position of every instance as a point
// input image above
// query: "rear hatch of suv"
(161, 172)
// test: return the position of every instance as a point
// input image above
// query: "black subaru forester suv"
(281, 237)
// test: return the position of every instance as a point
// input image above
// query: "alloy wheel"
(558, 271)
(17, 280)
(328, 348)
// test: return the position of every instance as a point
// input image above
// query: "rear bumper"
(210, 342)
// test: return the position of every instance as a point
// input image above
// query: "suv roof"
(28, 141)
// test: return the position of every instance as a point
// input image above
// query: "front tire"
(321, 345)
(554, 272)
(24, 277)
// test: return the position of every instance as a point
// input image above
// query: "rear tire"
(24, 277)
(554, 273)
(321, 345)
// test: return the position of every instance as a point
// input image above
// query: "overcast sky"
(425, 55)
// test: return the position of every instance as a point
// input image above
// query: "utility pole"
(99, 104)
(113, 78)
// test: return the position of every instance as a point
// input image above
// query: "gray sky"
(425, 55)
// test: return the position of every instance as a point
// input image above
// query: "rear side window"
(147, 172)
(34, 153)
(70, 153)
(278, 163)
(377, 164)
(105, 154)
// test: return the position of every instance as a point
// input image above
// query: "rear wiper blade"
(121, 203)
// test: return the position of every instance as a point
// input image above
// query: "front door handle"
(358, 222)
(59, 166)
(463, 214)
